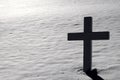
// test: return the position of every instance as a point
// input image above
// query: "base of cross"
(93, 74)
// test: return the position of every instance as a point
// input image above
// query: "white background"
(33, 39)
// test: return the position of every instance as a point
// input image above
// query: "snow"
(33, 39)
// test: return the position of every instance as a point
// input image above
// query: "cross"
(87, 36)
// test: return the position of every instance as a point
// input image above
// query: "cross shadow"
(93, 74)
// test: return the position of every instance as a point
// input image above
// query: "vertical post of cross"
(87, 60)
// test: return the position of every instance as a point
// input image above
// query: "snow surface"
(33, 39)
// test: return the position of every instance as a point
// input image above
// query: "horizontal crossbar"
(88, 36)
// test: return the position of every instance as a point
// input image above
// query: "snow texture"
(33, 39)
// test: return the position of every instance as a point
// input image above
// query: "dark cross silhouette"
(87, 36)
